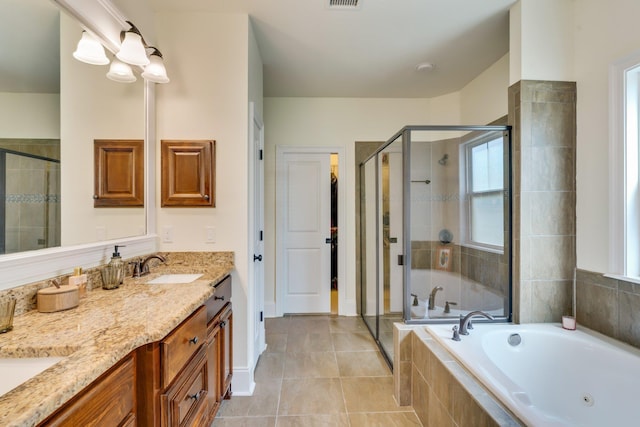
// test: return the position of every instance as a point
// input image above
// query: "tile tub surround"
(440, 390)
(543, 116)
(609, 306)
(105, 327)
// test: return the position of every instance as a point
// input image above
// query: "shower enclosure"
(29, 199)
(435, 228)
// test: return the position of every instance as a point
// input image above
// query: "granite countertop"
(93, 337)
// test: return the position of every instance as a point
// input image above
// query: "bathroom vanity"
(143, 354)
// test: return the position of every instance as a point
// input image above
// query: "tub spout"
(432, 297)
(465, 321)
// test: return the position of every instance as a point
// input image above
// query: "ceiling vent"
(344, 4)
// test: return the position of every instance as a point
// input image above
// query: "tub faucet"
(432, 297)
(465, 321)
(144, 268)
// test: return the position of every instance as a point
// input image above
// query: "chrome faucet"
(141, 268)
(465, 321)
(432, 297)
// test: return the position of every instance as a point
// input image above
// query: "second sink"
(174, 278)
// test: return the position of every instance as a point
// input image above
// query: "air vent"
(344, 4)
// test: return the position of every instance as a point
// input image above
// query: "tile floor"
(318, 371)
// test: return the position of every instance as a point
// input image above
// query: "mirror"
(53, 107)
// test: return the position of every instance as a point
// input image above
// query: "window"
(485, 192)
(624, 244)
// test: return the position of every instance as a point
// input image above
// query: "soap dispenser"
(113, 273)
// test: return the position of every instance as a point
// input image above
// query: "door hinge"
(260, 154)
(400, 259)
(261, 235)
(261, 316)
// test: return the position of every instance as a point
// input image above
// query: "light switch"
(167, 234)
(211, 234)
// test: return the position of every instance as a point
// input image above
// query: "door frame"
(255, 297)
(281, 151)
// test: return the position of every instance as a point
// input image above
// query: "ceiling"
(29, 46)
(311, 50)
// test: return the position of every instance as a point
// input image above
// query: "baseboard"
(270, 309)
(242, 383)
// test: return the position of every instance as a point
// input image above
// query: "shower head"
(443, 160)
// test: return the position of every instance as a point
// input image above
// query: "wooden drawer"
(108, 401)
(221, 297)
(179, 346)
(185, 401)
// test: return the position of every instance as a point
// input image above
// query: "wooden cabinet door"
(118, 173)
(188, 173)
(213, 368)
(108, 401)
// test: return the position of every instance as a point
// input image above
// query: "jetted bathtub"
(549, 376)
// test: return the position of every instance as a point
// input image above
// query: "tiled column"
(543, 116)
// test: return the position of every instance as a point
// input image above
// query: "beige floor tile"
(264, 402)
(270, 367)
(316, 364)
(333, 420)
(276, 342)
(311, 396)
(309, 324)
(361, 364)
(245, 422)
(370, 394)
(347, 324)
(353, 341)
(276, 324)
(304, 342)
(385, 419)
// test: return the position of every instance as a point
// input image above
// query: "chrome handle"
(219, 298)
(257, 257)
(194, 340)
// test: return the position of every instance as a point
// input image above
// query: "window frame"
(624, 167)
(466, 172)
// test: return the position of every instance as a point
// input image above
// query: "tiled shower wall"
(543, 117)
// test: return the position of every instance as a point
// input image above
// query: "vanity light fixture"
(120, 72)
(132, 51)
(155, 71)
(90, 50)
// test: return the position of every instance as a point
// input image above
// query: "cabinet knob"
(219, 298)
(222, 324)
(195, 396)
(95, 196)
(206, 197)
(194, 340)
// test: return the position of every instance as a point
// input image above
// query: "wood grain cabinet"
(108, 401)
(118, 173)
(178, 381)
(188, 173)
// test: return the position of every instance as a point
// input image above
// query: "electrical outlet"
(211, 234)
(167, 234)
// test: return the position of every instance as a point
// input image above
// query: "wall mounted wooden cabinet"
(188, 173)
(118, 173)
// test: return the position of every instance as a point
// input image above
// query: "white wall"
(207, 57)
(93, 107)
(30, 115)
(604, 33)
(485, 98)
(338, 122)
(540, 40)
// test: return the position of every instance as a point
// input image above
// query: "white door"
(257, 140)
(304, 273)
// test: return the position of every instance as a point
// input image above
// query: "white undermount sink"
(174, 278)
(16, 370)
